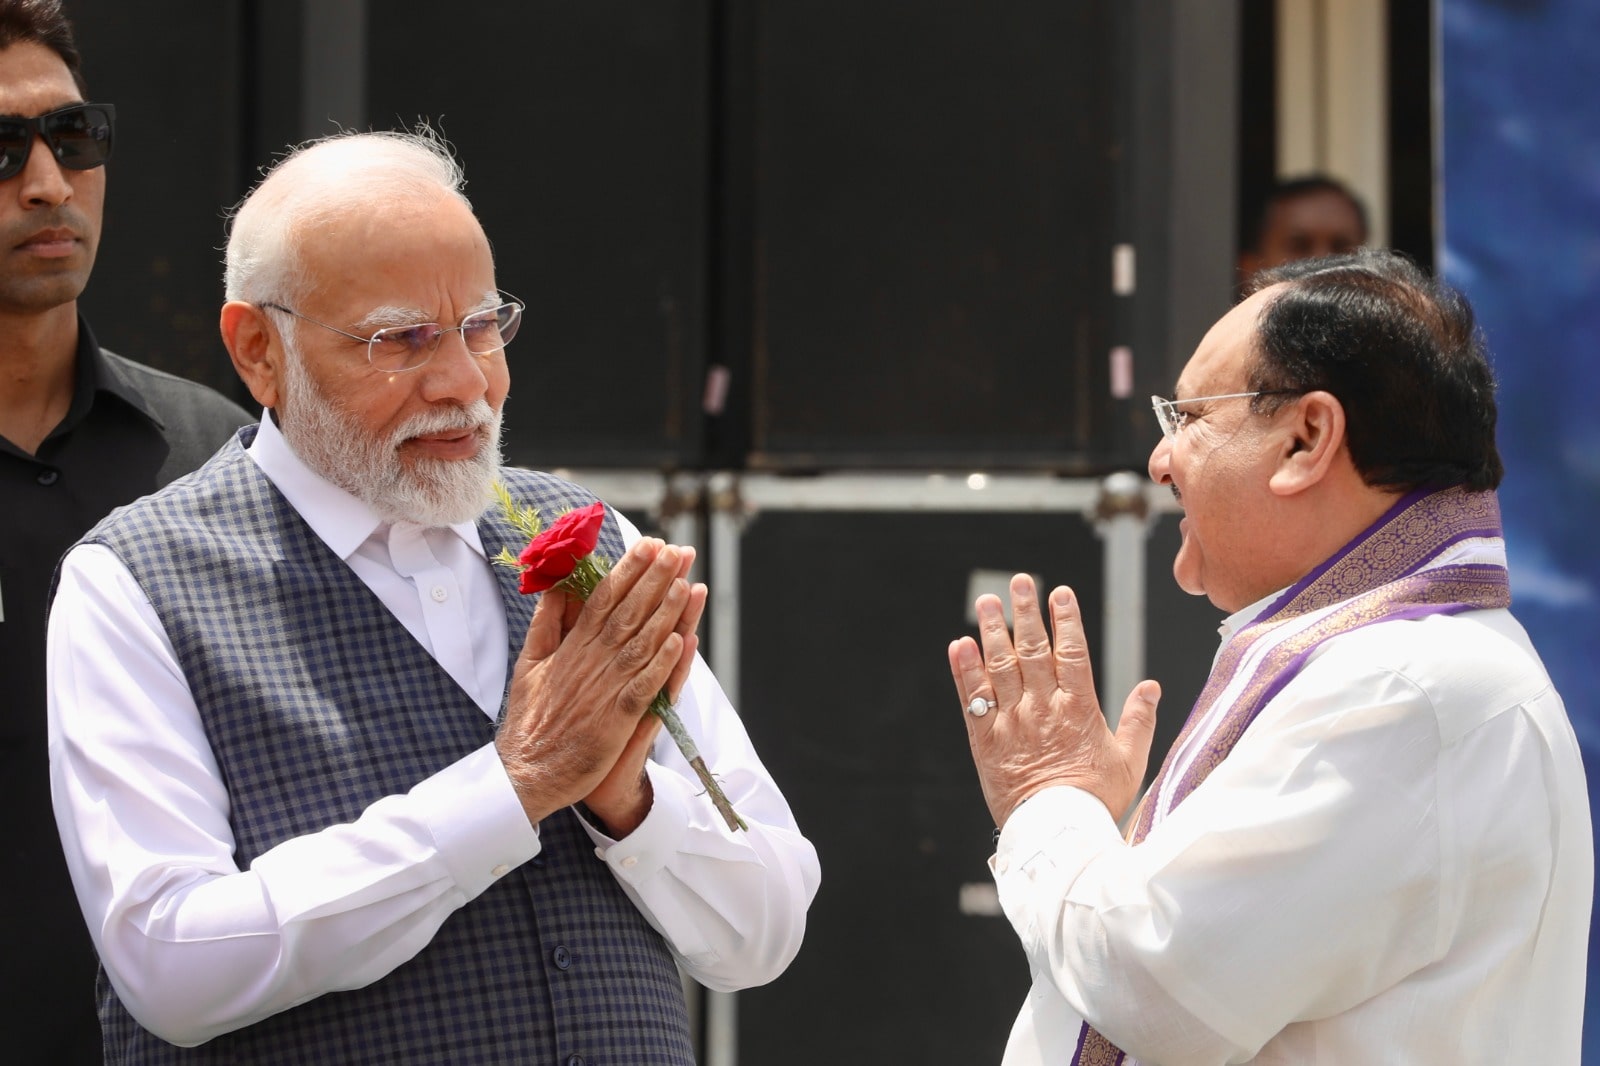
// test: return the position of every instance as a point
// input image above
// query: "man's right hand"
(577, 693)
(1044, 726)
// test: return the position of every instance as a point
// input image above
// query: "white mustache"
(476, 415)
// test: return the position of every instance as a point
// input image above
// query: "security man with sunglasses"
(82, 430)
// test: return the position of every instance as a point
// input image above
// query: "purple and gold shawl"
(1433, 552)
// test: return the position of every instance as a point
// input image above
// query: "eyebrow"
(394, 315)
(15, 116)
(391, 315)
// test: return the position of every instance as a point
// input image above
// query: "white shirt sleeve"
(195, 946)
(731, 904)
(1310, 872)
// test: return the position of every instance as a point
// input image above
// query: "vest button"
(574, 1060)
(49, 477)
(561, 957)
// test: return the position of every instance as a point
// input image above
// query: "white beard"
(429, 492)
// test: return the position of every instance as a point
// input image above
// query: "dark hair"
(1400, 350)
(42, 22)
(1253, 220)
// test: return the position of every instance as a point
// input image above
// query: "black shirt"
(130, 430)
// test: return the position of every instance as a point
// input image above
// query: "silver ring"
(980, 706)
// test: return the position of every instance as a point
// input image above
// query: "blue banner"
(1521, 237)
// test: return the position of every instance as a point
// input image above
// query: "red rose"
(553, 555)
(564, 555)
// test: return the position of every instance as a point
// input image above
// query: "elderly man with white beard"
(330, 789)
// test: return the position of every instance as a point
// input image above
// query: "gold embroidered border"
(1376, 579)
(1377, 576)
(1096, 1050)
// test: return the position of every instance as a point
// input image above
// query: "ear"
(1313, 442)
(257, 357)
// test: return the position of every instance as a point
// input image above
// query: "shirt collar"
(340, 520)
(1245, 615)
(93, 373)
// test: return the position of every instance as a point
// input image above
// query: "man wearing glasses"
(1371, 841)
(82, 431)
(331, 790)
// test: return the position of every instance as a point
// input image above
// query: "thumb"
(545, 630)
(1137, 727)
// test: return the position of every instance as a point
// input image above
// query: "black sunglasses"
(79, 137)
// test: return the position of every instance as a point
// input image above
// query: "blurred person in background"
(1300, 218)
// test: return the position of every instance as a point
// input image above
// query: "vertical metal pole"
(727, 520)
(722, 1028)
(1121, 519)
(682, 520)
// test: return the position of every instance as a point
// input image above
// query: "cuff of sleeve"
(643, 852)
(1046, 815)
(477, 821)
(1047, 841)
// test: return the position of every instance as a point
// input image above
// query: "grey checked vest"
(317, 702)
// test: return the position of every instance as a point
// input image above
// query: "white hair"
(317, 181)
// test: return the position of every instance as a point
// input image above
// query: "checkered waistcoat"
(317, 703)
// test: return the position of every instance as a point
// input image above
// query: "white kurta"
(1394, 864)
(197, 947)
